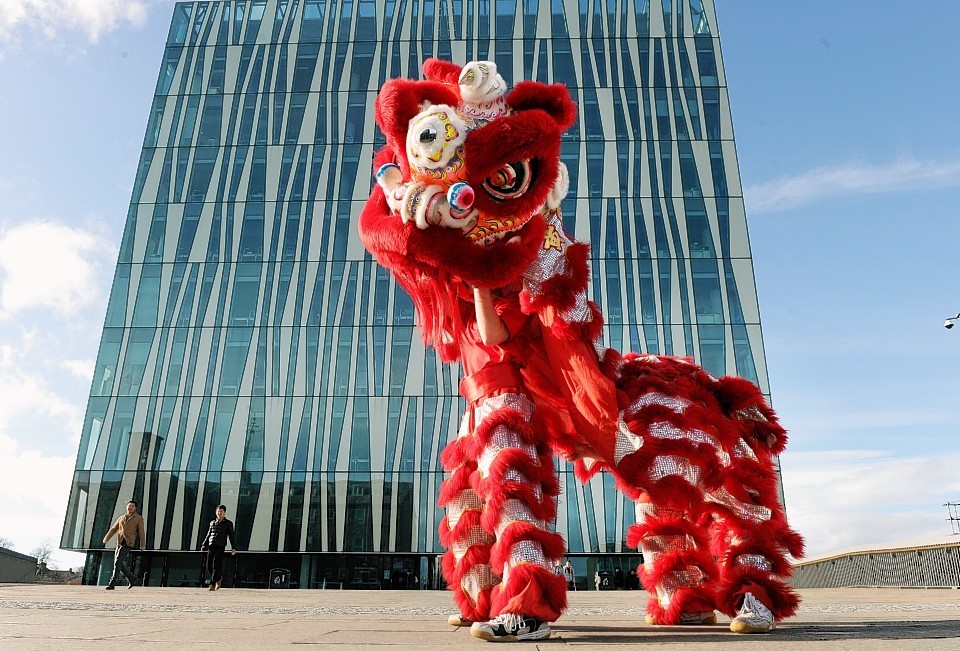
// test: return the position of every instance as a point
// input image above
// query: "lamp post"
(949, 322)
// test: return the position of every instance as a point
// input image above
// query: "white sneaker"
(753, 617)
(510, 627)
(458, 620)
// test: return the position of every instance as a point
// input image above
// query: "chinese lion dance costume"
(468, 196)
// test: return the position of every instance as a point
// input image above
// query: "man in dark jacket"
(215, 544)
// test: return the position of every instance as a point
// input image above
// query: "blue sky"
(847, 134)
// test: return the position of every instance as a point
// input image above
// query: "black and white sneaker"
(510, 627)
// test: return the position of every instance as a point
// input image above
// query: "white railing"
(933, 566)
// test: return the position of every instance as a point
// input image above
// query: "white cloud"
(851, 179)
(82, 368)
(27, 401)
(858, 498)
(92, 17)
(45, 264)
(34, 490)
(34, 485)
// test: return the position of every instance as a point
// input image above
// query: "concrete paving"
(87, 617)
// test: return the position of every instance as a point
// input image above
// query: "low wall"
(932, 566)
(16, 567)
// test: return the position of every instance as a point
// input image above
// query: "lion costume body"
(468, 195)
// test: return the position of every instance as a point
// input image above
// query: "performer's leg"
(518, 483)
(703, 447)
(466, 563)
(752, 540)
(677, 566)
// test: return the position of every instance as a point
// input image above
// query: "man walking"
(569, 576)
(215, 544)
(129, 529)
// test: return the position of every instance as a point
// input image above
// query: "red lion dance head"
(466, 184)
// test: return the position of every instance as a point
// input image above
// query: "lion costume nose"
(460, 196)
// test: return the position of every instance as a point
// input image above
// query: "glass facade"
(253, 354)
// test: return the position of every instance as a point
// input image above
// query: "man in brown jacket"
(129, 528)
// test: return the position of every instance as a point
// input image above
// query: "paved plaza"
(87, 617)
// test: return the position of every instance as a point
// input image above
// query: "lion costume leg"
(678, 566)
(751, 537)
(700, 449)
(517, 482)
(466, 563)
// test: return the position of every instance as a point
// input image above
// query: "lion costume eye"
(510, 181)
(434, 137)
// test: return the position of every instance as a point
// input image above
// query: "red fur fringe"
(454, 455)
(445, 72)
(467, 522)
(460, 480)
(531, 590)
(504, 417)
(692, 599)
(584, 474)
(454, 571)
(492, 512)
(775, 595)
(587, 330)
(550, 541)
(554, 99)
(432, 265)
(495, 490)
(475, 612)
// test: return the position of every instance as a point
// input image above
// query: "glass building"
(254, 355)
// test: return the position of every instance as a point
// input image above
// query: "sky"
(847, 135)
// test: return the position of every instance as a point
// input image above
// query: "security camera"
(948, 324)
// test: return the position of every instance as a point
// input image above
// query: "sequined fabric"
(552, 261)
(751, 413)
(512, 511)
(502, 439)
(691, 576)
(527, 551)
(515, 401)
(673, 403)
(515, 511)
(626, 443)
(754, 561)
(466, 500)
(743, 451)
(666, 544)
(667, 465)
(476, 580)
(476, 536)
(749, 512)
(668, 431)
